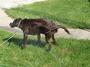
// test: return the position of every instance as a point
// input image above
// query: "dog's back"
(34, 26)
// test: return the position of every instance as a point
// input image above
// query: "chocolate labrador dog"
(37, 27)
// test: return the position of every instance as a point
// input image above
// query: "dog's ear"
(19, 18)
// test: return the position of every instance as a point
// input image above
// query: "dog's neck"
(19, 23)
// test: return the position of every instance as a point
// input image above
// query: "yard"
(67, 53)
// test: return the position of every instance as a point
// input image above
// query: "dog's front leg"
(25, 36)
(39, 37)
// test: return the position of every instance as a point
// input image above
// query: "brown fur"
(37, 27)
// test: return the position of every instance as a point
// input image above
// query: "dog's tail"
(66, 30)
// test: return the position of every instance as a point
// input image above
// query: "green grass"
(71, 13)
(67, 53)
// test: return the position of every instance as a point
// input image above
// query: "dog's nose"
(10, 24)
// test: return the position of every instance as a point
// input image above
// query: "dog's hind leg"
(53, 39)
(48, 40)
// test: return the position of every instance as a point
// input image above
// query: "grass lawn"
(71, 13)
(67, 53)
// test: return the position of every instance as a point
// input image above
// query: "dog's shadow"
(19, 42)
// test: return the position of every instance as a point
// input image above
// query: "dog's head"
(15, 23)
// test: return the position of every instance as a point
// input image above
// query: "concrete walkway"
(5, 20)
(75, 33)
(14, 3)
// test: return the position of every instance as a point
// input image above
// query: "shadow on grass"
(19, 42)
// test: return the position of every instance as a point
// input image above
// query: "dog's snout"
(11, 24)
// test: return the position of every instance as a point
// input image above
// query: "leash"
(12, 35)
